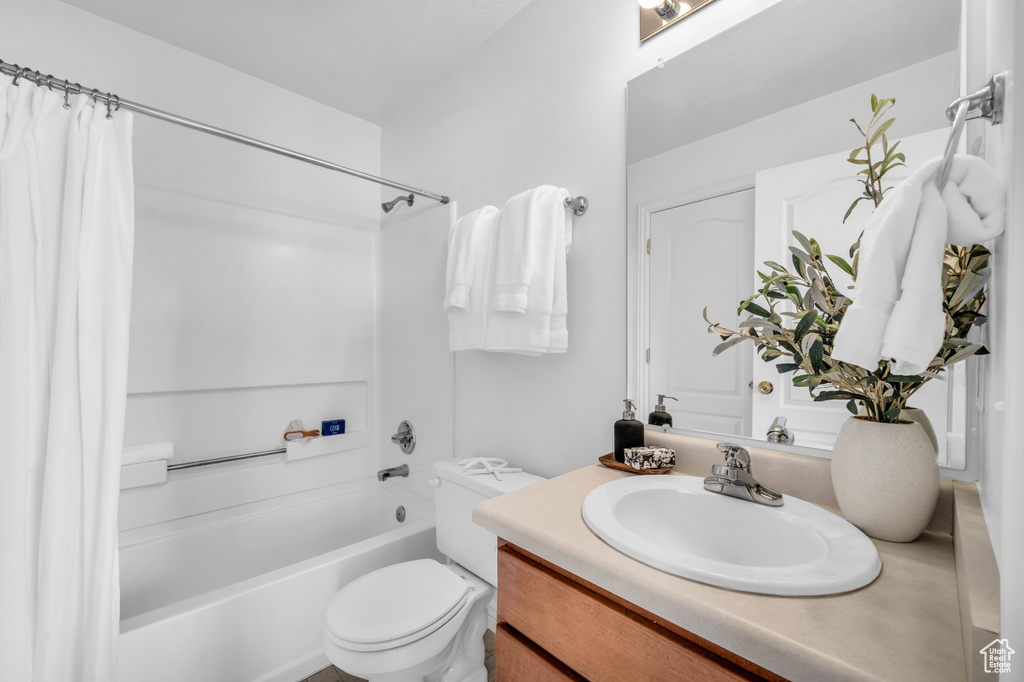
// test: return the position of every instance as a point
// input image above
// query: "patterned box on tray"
(649, 457)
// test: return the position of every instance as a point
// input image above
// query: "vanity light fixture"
(666, 9)
(657, 15)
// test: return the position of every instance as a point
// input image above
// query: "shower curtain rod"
(114, 102)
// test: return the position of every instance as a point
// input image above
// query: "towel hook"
(989, 101)
(959, 120)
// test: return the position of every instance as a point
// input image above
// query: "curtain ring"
(117, 103)
(67, 104)
(109, 98)
(49, 85)
(17, 74)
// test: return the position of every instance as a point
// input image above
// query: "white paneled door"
(811, 197)
(701, 255)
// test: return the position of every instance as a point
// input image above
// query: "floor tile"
(345, 677)
(326, 675)
(334, 674)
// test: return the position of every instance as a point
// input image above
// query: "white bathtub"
(239, 595)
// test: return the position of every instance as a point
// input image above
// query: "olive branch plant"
(794, 316)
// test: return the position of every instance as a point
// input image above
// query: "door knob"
(765, 387)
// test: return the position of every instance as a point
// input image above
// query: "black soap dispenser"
(660, 416)
(629, 432)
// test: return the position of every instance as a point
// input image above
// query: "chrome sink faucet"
(778, 433)
(735, 479)
(385, 474)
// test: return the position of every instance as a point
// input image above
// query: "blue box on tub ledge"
(332, 427)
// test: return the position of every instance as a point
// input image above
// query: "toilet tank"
(458, 537)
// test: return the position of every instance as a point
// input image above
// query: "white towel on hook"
(529, 302)
(897, 311)
(467, 278)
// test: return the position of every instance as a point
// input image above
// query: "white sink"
(673, 524)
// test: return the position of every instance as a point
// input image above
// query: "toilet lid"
(395, 602)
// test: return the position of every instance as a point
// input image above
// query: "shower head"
(388, 205)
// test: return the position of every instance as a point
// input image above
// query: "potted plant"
(793, 320)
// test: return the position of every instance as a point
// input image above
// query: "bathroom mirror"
(735, 143)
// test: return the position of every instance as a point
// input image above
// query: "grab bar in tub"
(231, 458)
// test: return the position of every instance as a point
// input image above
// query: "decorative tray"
(609, 461)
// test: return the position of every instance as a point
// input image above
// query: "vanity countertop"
(903, 626)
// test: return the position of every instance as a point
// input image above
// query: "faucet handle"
(735, 456)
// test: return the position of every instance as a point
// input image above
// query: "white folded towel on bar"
(147, 452)
(529, 304)
(897, 310)
(467, 276)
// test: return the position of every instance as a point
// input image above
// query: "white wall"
(1000, 25)
(543, 102)
(253, 293)
(416, 367)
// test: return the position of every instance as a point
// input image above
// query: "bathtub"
(238, 595)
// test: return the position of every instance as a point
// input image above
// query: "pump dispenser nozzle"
(660, 407)
(628, 412)
(660, 416)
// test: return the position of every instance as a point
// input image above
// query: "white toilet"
(422, 620)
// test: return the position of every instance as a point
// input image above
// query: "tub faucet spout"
(385, 474)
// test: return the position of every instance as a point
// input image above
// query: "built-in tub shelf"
(325, 445)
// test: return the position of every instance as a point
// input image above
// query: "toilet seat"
(395, 605)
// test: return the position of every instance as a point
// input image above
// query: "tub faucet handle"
(406, 437)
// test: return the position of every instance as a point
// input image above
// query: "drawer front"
(520, 660)
(594, 636)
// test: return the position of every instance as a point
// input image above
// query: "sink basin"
(673, 524)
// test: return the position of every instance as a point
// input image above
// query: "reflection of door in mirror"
(701, 254)
(811, 197)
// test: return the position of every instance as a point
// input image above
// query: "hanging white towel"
(897, 310)
(465, 247)
(532, 234)
(467, 280)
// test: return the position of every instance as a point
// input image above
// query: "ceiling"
(366, 58)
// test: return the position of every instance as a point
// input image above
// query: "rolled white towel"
(897, 309)
(147, 452)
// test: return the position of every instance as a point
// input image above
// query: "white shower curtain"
(66, 236)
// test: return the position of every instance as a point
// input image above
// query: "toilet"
(423, 620)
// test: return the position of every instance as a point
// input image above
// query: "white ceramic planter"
(916, 414)
(885, 478)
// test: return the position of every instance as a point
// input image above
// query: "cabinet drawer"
(520, 659)
(594, 636)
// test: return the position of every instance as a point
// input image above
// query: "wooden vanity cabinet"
(553, 625)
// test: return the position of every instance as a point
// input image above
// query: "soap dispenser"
(660, 416)
(629, 432)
